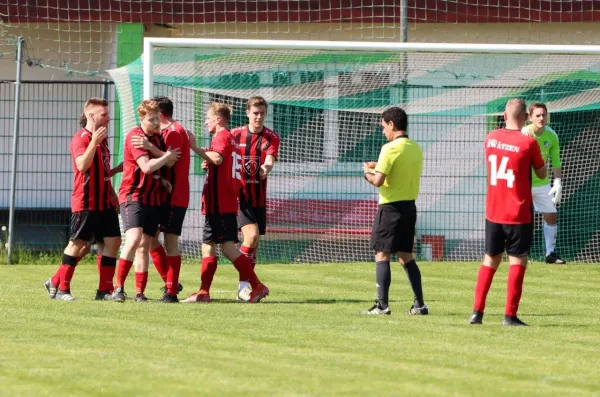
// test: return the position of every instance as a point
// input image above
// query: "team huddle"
(154, 196)
(155, 192)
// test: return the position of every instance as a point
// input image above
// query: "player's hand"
(263, 172)
(205, 165)
(556, 191)
(173, 154)
(99, 135)
(140, 142)
(166, 185)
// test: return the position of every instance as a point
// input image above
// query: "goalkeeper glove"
(556, 191)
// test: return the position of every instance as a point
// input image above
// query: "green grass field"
(306, 339)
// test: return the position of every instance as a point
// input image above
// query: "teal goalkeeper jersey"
(550, 149)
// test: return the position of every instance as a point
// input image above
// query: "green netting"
(326, 106)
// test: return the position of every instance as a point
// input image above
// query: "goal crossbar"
(151, 42)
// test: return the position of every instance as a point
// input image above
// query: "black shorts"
(94, 225)
(394, 227)
(515, 239)
(220, 228)
(252, 215)
(170, 218)
(136, 214)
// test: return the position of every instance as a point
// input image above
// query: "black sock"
(414, 278)
(383, 278)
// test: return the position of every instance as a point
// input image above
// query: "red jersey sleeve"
(136, 153)
(273, 148)
(173, 140)
(79, 144)
(537, 161)
(219, 143)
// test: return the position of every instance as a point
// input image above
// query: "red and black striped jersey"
(254, 149)
(136, 185)
(92, 188)
(176, 137)
(222, 185)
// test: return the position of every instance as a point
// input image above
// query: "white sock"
(243, 284)
(550, 232)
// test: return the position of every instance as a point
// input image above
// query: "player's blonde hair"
(147, 106)
(256, 101)
(221, 110)
(94, 101)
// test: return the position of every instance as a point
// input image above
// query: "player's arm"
(537, 162)
(116, 170)
(555, 157)
(375, 173)
(271, 158)
(148, 165)
(84, 161)
(203, 152)
(141, 142)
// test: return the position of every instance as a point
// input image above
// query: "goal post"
(325, 101)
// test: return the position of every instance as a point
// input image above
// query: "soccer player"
(175, 203)
(139, 198)
(545, 199)
(397, 174)
(220, 206)
(259, 147)
(93, 204)
(510, 157)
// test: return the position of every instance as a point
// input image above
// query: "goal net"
(326, 104)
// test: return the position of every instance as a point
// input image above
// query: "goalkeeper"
(545, 197)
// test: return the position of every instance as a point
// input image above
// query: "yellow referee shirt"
(402, 161)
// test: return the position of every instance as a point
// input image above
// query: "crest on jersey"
(546, 144)
(251, 164)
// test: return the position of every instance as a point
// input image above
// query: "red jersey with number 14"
(510, 155)
(221, 188)
(254, 149)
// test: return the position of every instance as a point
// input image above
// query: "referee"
(396, 174)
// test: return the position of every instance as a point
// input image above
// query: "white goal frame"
(151, 42)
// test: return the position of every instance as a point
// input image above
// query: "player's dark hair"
(537, 105)
(165, 105)
(94, 101)
(397, 116)
(256, 101)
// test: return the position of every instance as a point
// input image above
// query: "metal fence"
(49, 113)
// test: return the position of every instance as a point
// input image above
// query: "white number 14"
(500, 172)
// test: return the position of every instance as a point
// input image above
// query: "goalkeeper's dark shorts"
(394, 227)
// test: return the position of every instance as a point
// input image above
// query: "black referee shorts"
(94, 225)
(252, 215)
(394, 227)
(515, 239)
(220, 228)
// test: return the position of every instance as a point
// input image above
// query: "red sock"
(514, 288)
(243, 265)
(249, 253)
(207, 272)
(123, 271)
(141, 279)
(55, 280)
(174, 263)
(66, 271)
(106, 267)
(484, 282)
(159, 258)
